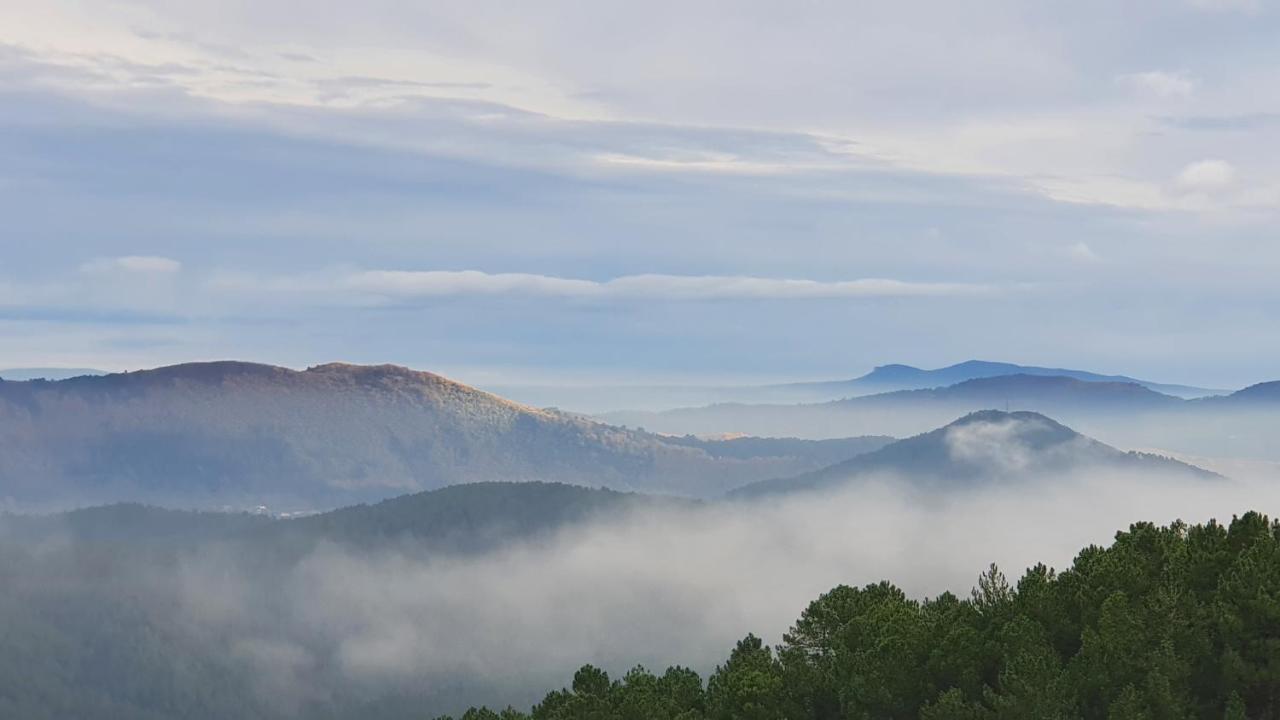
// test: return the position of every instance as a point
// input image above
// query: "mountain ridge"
(986, 445)
(884, 378)
(233, 432)
(902, 375)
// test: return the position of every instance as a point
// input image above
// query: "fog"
(654, 588)
(1197, 429)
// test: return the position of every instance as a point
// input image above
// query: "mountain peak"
(990, 416)
(982, 446)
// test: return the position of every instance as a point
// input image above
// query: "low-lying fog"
(653, 588)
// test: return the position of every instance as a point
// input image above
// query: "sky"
(612, 192)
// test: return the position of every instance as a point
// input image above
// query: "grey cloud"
(1231, 123)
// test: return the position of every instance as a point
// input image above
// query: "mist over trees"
(484, 593)
(1168, 622)
(468, 595)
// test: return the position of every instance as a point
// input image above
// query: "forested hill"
(103, 610)
(241, 434)
(141, 613)
(1167, 622)
(986, 446)
(456, 519)
(907, 412)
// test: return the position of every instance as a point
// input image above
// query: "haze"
(409, 359)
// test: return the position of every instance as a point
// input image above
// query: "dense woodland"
(1167, 622)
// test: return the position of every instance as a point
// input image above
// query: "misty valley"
(227, 539)
(618, 360)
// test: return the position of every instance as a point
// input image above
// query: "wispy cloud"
(1226, 5)
(1206, 175)
(1159, 83)
(140, 264)
(403, 284)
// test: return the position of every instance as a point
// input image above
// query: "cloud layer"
(889, 164)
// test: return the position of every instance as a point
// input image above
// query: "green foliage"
(1165, 624)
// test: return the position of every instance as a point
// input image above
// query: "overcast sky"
(607, 191)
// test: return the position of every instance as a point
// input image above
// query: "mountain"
(985, 446)
(1261, 394)
(1242, 424)
(745, 448)
(47, 373)
(885, 378)
(234, 433)
(907, 412)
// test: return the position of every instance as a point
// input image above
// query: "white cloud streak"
(407, 284)
(1206, 175)
(142, 264)
(1160, 84)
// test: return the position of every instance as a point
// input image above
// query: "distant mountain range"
(46, 373)
(233, 433)
(888, 378)
(600, 399)
(1242, 423)
(985, 446)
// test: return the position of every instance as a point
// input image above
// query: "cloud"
(1243, 122)
(404, 284)
(140, 264)
(1082, 252)
(1225, 5)
(433, 283)
(1158, 83)
(1206, 175)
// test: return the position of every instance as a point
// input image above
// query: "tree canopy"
(1167, 622)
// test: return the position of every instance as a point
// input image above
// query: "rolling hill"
(984, 446)
(907, 412)
(473, 517)
(1241, 424)
(888, 378)
(101, 620)
(243, 434)
(885, 378)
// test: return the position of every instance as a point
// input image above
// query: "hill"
(102, 607)
(1267, 393)
(598, 399)
(980, 447)
(907, 412)
(456, 519)
(242, 434)
(888, 378)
